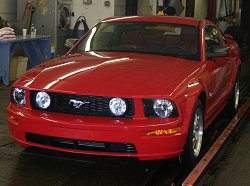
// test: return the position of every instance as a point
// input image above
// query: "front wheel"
(192, 149)
(234, 100)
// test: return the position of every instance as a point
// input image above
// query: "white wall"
(184, 10)
(200, 10)
(119, 8)
(144, 7)
(8, 9)
(96, 11)
(90, 12)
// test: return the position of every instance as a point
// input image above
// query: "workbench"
(37, 49)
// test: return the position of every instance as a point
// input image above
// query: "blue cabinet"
(37, 49)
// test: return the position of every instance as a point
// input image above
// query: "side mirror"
(70, 42)
(218, 51)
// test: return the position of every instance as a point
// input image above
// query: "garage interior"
(63, 20)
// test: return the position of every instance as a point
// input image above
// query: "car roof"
(155, 18)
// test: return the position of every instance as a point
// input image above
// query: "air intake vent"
(80, 144)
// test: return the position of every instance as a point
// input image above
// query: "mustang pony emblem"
(76, 103)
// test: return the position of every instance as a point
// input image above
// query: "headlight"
(42, 100)
(163, 108)
(117, 106)
(18, 96)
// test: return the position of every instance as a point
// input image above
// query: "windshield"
(140, 37)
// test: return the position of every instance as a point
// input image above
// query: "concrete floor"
(232, 167)
(4, 132)
(19, 167)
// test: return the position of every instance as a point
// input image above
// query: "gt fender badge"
(77, 104)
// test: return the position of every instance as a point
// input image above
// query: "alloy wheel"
(197, 132)
(236, 95)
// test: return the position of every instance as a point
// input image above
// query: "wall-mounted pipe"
(210, 10)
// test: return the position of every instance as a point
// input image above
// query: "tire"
(234, 100)
(192, 149)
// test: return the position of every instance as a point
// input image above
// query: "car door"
(220, 69)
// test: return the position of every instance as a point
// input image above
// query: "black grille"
(93, 105)
(148, 108)
(81, 145)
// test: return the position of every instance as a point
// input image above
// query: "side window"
(212, 37)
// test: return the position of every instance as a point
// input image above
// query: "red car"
(140, 86)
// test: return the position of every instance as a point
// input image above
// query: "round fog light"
(117, 106)
(43, 100)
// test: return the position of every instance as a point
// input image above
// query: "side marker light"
(13, 118)
(161, 132)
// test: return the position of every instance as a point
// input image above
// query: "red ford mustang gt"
(140, 86)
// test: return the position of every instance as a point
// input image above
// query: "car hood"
(109, 74)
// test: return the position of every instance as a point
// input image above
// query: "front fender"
(193, 92)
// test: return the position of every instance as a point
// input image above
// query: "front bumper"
(66, 131)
